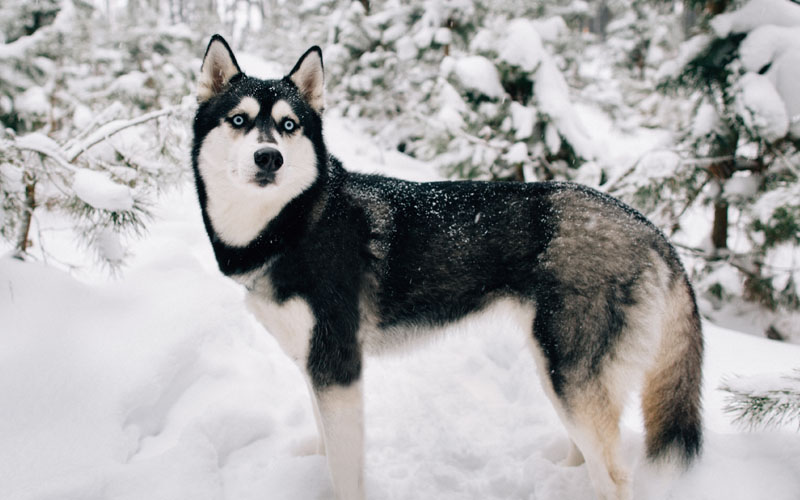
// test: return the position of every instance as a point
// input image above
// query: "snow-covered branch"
(112, 128)
(18, 49)
(765, 400)
(40, 143)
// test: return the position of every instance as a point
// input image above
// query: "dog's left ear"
(309, 78)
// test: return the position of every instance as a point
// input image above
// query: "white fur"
(218, 68)
(382, 341)
(341, 411)
(291, 323)
(239, 208)
(310, 80)
(281, 110)
(249, 106)
(320, 448)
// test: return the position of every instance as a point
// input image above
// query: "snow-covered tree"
(86, 121)
(738, 155)
(467, 84)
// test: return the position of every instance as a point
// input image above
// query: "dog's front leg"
(341, 410)
(320, 445)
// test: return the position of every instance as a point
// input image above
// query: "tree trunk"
(30, 205)
(600, 21)
(719, 231)
(715, 7)
(724, 147)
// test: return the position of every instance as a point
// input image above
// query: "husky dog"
(338, 264)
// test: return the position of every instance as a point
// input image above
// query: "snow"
(20, 48)
(687, 51)
(256, 66)
(706, 120)
(479, 74)
(743, 185)
(550, 29)
(110, 247)
(756, 13)
(764, 43)
(443, 36)
(552, 95)
(552, 139)
(522, 46)
(160, 385)
(761, 107)
(772, 46)
(133, 84)
(779, 48)
(517, 153)
(763, 383)
(523, 118)
(39, 142)
(98, 190)
(450, 98)
(406, 48)
(33, 101)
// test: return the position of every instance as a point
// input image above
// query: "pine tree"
(739, 153)
(89, 123)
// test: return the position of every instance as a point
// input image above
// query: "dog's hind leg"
(341, 412)
(592, 421)
(588, 403)
(591, 418)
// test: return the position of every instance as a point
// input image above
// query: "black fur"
(452, 247)
(291, 223)
(416, 255)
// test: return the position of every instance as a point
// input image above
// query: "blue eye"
(238, 120)
(288, 125)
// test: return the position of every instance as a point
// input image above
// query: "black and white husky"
(338, 264)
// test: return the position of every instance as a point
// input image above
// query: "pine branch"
(742, 262)
(111, 128)
(115, 109)
(45, 146)
(764, 401)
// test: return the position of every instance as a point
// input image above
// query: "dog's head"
(257, 143)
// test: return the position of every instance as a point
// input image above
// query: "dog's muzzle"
(268, 160)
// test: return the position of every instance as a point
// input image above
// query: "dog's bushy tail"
(671, 394)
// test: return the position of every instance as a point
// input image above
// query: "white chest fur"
(290, 322)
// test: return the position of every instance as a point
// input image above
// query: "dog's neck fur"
(281, 232)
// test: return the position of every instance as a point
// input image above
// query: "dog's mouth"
(263, 179)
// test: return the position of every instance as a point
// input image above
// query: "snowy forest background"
(689, 110)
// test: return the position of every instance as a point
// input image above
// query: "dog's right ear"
(219, 66)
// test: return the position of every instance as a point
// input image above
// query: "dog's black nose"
(268, 159)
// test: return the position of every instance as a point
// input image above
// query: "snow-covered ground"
(159, 385)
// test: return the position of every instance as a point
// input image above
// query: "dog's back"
(610, 302)
(336, 262)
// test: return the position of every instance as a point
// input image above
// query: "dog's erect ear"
(219, 66)
(309, 77)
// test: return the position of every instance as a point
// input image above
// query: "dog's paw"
(309, 446)
(574, 457)
(320, 448)
(555, 450)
